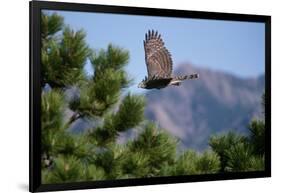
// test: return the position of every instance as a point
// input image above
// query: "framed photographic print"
(126, 96)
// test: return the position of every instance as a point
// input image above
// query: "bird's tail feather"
(187, 77)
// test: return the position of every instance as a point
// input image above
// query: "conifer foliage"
(69, 94)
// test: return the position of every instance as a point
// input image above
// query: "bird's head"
(142, 84)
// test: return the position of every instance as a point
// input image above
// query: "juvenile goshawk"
(159, 64)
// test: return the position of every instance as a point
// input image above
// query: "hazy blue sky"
(234, 47)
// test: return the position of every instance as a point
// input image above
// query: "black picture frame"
(35, 94)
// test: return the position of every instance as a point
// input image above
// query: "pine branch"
(72, 119)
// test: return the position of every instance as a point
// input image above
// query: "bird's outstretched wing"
(158, 59)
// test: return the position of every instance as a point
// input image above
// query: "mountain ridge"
(191, 111)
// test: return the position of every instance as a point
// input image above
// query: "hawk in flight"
(159, 64)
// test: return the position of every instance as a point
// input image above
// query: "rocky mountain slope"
(217, 102)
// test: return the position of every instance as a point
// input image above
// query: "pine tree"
(241, 153)
(100, 98)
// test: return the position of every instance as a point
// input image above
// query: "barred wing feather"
(158, 59)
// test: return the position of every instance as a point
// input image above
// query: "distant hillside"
(199, 108)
